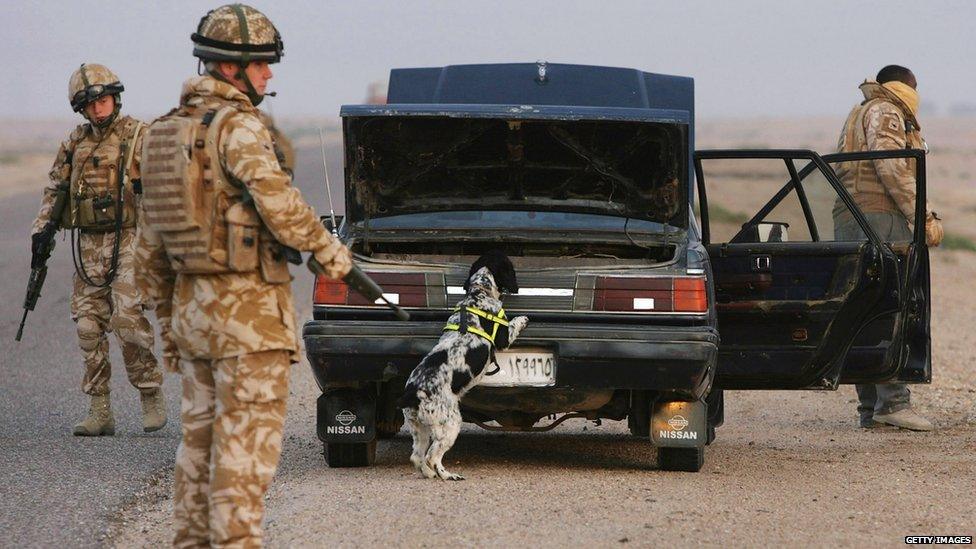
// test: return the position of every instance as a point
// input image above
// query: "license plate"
(521, 368)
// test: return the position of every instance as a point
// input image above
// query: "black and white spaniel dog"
(431, 399)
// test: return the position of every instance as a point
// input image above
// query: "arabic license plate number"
(529, 368)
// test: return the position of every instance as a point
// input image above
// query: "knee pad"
(90, 333)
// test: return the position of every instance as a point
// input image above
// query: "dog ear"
(501, 269)
(505, 276)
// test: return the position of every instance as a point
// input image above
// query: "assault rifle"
(41, 255)
(356, 278)
(363, 284)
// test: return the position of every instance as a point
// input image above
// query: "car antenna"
(328, 187)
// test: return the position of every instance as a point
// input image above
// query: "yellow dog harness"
(496, 320)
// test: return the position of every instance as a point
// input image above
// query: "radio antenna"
(328, 187)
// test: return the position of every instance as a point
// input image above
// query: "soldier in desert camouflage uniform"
(885, 191)
(233, 325)
(105, 298)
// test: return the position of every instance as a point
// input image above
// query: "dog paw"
(447, 475)
(427, 471)
(519, 322)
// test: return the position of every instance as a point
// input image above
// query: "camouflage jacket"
(90, 155)
(880, 123)
(283, 145)
(231, 314)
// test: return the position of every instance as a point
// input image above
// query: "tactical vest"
(202, 216)
(860, 178)
(94, 181)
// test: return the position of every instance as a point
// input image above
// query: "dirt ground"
(786, 468)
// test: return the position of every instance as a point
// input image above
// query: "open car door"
(896, 344)
(808, 294)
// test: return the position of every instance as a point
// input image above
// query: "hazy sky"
(778, 58)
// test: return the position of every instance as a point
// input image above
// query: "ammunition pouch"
(243, 225)
(95, 214)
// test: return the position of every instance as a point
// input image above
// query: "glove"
(933, 230)
(39, 247)
(336, 258)
(171, 363)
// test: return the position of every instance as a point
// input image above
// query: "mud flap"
(346, 416)
(678, 424)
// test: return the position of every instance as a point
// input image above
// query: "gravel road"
(787, 467)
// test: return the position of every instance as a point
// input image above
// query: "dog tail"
(409, 398)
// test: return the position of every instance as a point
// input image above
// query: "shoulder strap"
(215, 124)
(132, 139)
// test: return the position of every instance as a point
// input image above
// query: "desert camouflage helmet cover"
(90, 82)
(239, 33)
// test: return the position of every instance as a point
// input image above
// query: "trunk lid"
(403, 159)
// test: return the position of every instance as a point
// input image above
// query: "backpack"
(202, 218)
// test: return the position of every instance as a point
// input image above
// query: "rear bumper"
(661, 358)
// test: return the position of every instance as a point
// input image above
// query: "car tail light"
(690, 295)
(404, 289)
(650, 294)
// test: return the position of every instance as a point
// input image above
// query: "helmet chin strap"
(252, 94)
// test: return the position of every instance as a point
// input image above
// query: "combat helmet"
(90, 82)
(240, 34)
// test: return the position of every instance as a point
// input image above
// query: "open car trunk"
(406, 164)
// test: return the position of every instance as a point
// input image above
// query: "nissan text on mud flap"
(634, 253)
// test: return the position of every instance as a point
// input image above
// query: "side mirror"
(773, 231)
(327, 221)
(764, 231)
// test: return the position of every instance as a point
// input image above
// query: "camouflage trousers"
(232, 411)
(881, 398)
(116, 308)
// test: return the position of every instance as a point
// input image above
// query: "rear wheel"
(639, 416)
(389, 418)
(359, 454)
(680, 459)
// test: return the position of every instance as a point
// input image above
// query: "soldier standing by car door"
(885, 191)
(219, 211)
(99, 169)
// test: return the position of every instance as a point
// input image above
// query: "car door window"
(884, 189)
(774, 200)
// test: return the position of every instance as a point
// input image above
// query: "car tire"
(360, 454)
(680, 459)
(388, 429)
(389, 418)
(639, 417)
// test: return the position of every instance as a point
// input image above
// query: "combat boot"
(153, 410)
(100, 420)
(905, 419)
